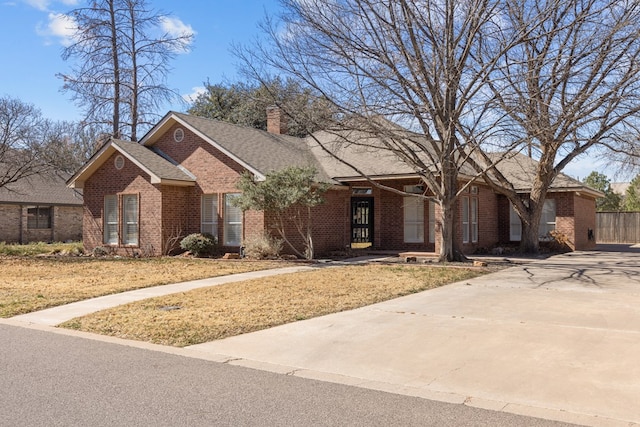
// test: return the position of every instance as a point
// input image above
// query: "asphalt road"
(49, 379)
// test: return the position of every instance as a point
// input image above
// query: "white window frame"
(130, 219)
(469, 219)
(232, 224)
(465, 220)
(547, 221)
(209, 214)
(111, 220)
(432, 221)
(413, 219)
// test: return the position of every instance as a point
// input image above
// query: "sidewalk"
(56, 315)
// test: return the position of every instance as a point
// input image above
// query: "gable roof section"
(521, 170)
(157, 166)
(256, 150)
(42, 189)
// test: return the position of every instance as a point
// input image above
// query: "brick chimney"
(276, 120)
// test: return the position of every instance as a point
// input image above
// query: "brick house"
(40, 208)
(180, 178)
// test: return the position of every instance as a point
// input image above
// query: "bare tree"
(406, 61)
(22, 136)
(571, 86)
(121, 64)
(69, 145)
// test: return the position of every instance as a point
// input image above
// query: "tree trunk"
(529, 239)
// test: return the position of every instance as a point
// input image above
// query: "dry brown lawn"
(34, 283)
(226, 310)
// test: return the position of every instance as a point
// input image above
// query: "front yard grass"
(221, 311)
(34, 283)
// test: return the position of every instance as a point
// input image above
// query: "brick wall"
(329, 221)
(10, 217)
(66, 224)
(129, 180)
(216, 174)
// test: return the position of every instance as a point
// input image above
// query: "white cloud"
(44, 4)
(175, 28)
(195, 92)
(60, 27)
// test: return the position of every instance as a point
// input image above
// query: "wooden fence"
(618, 227)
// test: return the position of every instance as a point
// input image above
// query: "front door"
(361, 222)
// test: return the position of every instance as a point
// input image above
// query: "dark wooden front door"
(361, 222)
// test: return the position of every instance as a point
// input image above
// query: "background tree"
(289, 195)
(246, 104)
(23, 133)
(71, 144)
(611, 200)
(632, 196)
(119, 76)
(416, 63)
(571, 85)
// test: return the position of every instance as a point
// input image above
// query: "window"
(469, 219)
(130, 215)
(39, 217)
(232, 221)
(178, 135)
(362, 190)
(547, 221)
(121, 218)
(413, 220)
(432, 221)
(111, 220)
(209, 215)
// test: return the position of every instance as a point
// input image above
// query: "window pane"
(130, 213)
(232, 222)
(465, 220)
(474, 219)
(413, 220)
(111, 220)
(432, 221)
(548, 219)
(209, 219)
(39, 217)
(515, 226)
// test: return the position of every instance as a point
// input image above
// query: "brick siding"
(66, 224)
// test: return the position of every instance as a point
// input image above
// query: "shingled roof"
(262, 152)
(160, 167)
(42, 189)
(259, 151)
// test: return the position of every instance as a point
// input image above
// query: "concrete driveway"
(557, 338)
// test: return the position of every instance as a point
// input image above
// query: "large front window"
(547, 222)
(121, 218)
(130, 215)
(469, 219)
(111, 220)
(232, 221)
(209, 215)
(413, 219)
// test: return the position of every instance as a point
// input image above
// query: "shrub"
(263, 247)
(200, 244)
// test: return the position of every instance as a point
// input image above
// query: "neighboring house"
(40, 208)
(181, 177)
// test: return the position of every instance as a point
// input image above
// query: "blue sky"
(32, 38)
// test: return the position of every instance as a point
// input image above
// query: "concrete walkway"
(556, 339)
